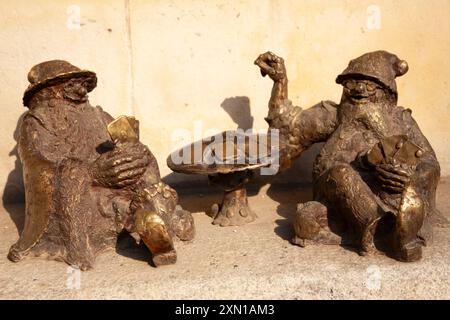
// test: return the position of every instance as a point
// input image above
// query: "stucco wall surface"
(187, 66)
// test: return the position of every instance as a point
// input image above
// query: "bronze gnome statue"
(376, 172)
(87, 178)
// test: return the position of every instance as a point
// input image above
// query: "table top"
(225, 152)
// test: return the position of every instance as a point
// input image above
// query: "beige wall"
(173, 64)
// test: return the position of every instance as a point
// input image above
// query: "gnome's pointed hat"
(379, 66)
(53, 72)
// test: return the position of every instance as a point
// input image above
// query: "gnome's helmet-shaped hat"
(381, 67)
(54, 72)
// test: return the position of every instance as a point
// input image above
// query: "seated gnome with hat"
(376, 172)
(83, 186)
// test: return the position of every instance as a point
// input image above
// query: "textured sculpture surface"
(229, 159)
(87, 178)
(376, 172)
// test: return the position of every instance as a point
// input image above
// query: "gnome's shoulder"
(329, 105)
(404, 115)
(105, 116)
(403, 111)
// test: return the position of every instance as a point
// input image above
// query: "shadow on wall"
(238, 108)
(14, 191)
(300, 174)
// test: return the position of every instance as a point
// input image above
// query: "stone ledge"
(254, 261)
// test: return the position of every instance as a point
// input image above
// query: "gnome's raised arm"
(298, 128)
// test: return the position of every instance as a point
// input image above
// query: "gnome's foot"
(410, 252)
(234, 210)
(153, 231)
(367, 240)
(367, 251)
(165, 258)
(311, 225)
(298, 241)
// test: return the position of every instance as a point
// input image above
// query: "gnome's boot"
(408, 223)
(367, 245)
(155, 233)
(312, 225)
(159, 220)
(162, 199)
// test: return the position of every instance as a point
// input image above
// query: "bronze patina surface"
(87, 177)
(229, 159)
(376, 172)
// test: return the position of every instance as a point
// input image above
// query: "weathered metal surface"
(86, 176)
(375, 171)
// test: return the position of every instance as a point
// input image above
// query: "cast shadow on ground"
(291, 187)
(126, 246)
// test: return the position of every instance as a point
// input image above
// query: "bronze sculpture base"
(229, 159)
(234, 209)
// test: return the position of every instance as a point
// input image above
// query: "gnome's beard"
(373, 116)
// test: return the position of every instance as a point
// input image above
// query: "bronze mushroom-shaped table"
(229, 159)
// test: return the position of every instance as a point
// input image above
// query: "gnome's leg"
(343, 187)
(155, 233)
(158, 219)
(425, 182)
(409, 221)
(164, 200)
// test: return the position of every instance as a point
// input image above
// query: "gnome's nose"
(360, 87)
(82, 91)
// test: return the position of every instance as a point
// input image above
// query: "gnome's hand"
(122, 166)
(394, 178)
(272, 65)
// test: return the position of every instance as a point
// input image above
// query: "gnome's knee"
(341, 173)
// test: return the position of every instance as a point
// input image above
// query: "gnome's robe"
(67, 217)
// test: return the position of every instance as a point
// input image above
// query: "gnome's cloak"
(66, 216)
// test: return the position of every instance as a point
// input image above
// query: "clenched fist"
(122, 166)
(272, 65)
